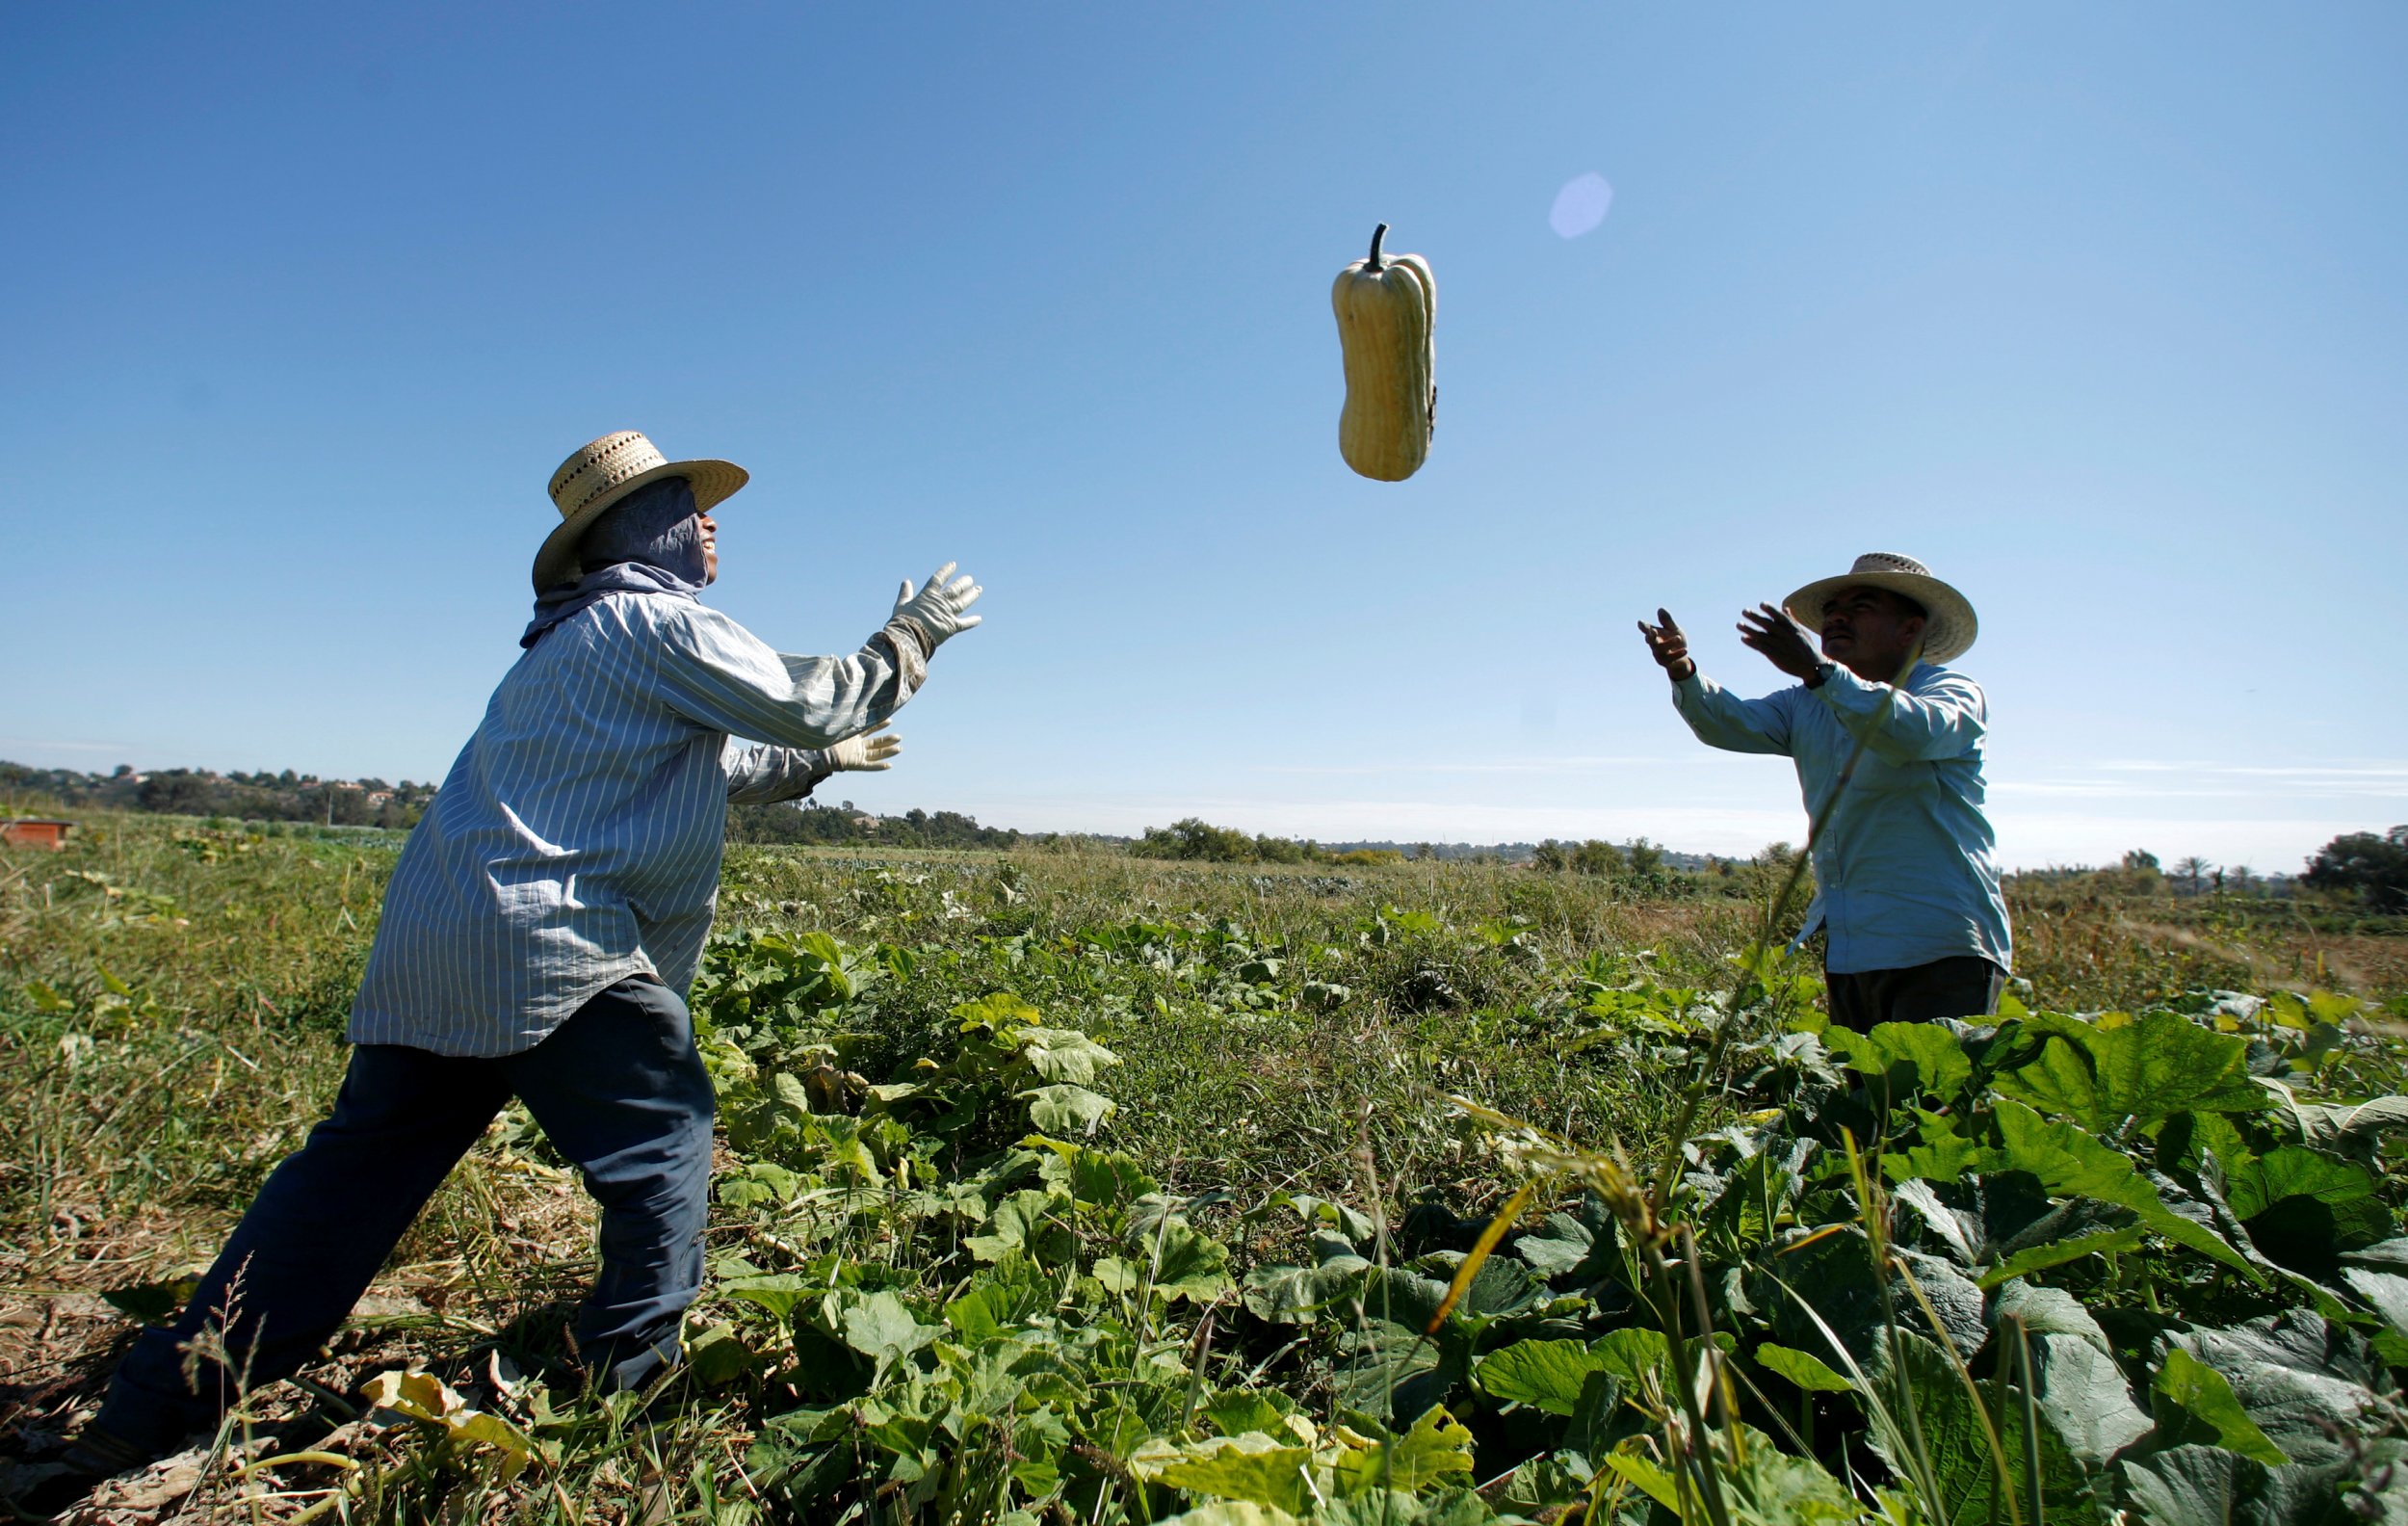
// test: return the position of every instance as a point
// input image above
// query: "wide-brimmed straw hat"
(599, 474)
(1948, 625)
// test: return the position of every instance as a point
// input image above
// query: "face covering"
(650, 541)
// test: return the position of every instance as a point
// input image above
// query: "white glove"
(936, 610)
(866, 753)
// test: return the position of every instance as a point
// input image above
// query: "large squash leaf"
(2070, 1164)
(1544, 1374)
(2137, 1074)
(2196, 1406)
(1964, 1470)
(2078, 1388)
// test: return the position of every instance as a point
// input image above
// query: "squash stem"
(1373, 264)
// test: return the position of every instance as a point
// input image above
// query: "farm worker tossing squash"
(538, 939)
(1386, 305)
(1906, 879)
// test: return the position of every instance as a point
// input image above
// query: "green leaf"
(2080, 1389)
(2138, 1074)
(1246, 1409)
(1437, 1448)
(1906, 1059)
(1773, 1488)
(1275, 1476)
(2070, 1164)
(1192, 1265)
(1026, 1220)
(2303, 1207)
(991, 1309)
(2057, 1253)
(1295, 1295)
(1066, 1109)
(1543, 1374)
(2386, 1290)
(719, 1356)
(1563, 1245)
(2196, 1406)
(2295, 1375)
(779, 1292)
(1952, 1437)
(1642, 1474)
(1633, 1354)
(1064, 1054)
(1001, 1010)
(1231, 1512)
(882, 1328)
(2352, 1129)
(1801, 1370)
(1095, 1178)
(2186, 1485)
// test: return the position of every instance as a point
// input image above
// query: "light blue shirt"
(1906, 869)
(576, 841)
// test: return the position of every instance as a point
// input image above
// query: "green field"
(1076, 1187)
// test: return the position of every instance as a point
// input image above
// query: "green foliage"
(1084, 1188)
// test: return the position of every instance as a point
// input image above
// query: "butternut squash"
(1386, 307)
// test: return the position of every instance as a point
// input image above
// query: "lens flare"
(1581, 205)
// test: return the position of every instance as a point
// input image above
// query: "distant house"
(34, 832)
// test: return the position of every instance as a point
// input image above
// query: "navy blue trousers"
(620, 1090)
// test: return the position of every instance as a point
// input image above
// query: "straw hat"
(599, 474)
(1949, 627)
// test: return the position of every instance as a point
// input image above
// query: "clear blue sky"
(2098, 309)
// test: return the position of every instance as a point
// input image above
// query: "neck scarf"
(650, 541)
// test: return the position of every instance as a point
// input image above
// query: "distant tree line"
(831, 824)
(1200, 841)
(203, 792)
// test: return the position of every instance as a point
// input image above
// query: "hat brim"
(713, 483)
(1948, 625)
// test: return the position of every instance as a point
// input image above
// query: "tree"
(1551, 857)
(1195, 839)
(1646, 857)
(2193, 873)
(2372, 868)
(1595, 858)
(177, 791)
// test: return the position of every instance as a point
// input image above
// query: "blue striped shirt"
(576, 841)
(1905, 871)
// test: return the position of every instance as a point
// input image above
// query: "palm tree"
(2193, 872)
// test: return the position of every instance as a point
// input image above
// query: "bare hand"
(1667, 646)
(1786, 644)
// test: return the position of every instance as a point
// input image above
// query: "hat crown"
(1890, 562)
(596, 468)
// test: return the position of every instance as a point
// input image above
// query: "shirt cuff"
(912, 646)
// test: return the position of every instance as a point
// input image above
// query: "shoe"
(97, 1456)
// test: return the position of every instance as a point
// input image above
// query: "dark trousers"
(1965, 987)
(618, 1088)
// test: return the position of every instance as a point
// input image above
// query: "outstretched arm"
(1719, 717)
(763, 776)
(719, 675)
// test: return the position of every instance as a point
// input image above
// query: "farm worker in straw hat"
(539, 935)
(1907, 885)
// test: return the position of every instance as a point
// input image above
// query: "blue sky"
(2100, 315)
